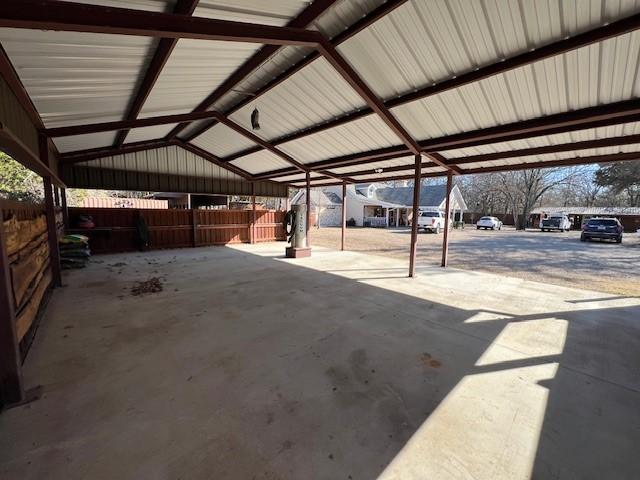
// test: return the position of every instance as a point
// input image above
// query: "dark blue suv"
(602, 228)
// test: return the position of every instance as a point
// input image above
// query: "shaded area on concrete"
(335, 366)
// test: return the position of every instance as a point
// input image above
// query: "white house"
(373, 205)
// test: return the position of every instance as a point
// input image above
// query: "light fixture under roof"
(255, 119)
(378, 170)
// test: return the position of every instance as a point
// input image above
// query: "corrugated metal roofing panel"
(222, 141)
(149, 133)
(396, 162)
(531, 91)
(336, 19)
(194, 69)
(366, 133)
(297, 177)
(82, 142)
(577, 136)
(549, 157)
(171, 160)
(426, 42)
(273, 12)
(284, 58)
(149, 5)
(76, 78)
(315, 94)
(263, 161)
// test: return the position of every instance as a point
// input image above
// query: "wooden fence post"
(11, 386)
(194, 226)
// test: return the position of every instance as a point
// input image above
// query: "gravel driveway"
(549, 257)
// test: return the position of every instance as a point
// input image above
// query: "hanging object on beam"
(255, 119)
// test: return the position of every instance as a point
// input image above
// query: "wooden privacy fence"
(27, 250)
(115, 228)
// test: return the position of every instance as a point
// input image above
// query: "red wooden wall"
(116, 232)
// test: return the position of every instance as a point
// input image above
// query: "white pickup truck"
(430, 220)
(555, 221)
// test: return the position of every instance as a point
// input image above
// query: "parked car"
(555, 222)
(603, 229)
(489, 222)
(430, 221)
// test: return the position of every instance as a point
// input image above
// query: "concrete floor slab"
(248, 365)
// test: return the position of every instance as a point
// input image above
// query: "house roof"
(430, 195)
(317, 197)
(617, 211)
(350, 90)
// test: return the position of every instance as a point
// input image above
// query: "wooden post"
(65, 209)
(11, 386)
(52, 231)
(56, 196)
(447, 214)
(308, 196)
(414, 222)
(344, 214)
(253, 212)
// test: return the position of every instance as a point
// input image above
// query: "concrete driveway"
(549, 257)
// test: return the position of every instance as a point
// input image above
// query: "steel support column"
(11, 386)
(414, 222)
(344, 214)
(308, 196)
(253, 212)
(65, 209)
(56, 196)
(445, 238)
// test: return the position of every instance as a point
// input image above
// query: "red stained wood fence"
(115, 229)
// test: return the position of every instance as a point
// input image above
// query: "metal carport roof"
(348, 90)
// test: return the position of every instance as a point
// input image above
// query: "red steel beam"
(160, 57)
(599, 34)
(569, 162)
(354, 29)
(591, 117)
(523, 152)
(447, 213)
(74, 17)
(414, 222)
(305, 18)
(126, 124)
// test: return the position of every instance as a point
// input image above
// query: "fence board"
(115, 228)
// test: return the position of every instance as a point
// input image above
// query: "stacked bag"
(74, 251)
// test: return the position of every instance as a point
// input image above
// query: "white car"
(489, 222)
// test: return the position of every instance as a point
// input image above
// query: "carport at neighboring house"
(628, 216)
(95, 96)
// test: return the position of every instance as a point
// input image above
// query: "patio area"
(247, 365)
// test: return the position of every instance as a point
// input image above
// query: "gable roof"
(430, 195)
(324, 198)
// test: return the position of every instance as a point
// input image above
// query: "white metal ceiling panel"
(83, 142)
(171, 160)
(315, 94)
(156, 132)
(222, 141)
(590, 76)
(396, 162)
(259, 162)
(272, 12)
(77, 78)
(541, 141)
(194, 69)
(367, 133)
(421, 43)
(550, 157)
(149, 5)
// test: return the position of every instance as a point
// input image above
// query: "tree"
(621, 178)
(18, 182)
(525, 188)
